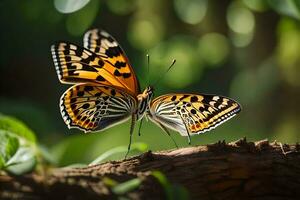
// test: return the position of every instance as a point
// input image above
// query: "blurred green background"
(245, 49)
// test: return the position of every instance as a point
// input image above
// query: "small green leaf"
(121, 150)
(22, 155)
(17, 146)
(22, 162)
(286, 7)
(8, 147)
(17, 128)
(127, 186)
(69, 6)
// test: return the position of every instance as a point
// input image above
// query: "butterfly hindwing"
(95, 107)
(191, 113)
(76, 64)
(104, 45)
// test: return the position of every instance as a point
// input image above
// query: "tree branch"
(238, 170)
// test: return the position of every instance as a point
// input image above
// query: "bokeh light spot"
(241, 40)
(240, 19)
(188, 67)
(213, 48)
(288, 51)
(145, 33)
(191, 11)
(121, 7)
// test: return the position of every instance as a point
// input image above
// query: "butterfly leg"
(140, 126)
(187, 131)
(133, 120)
(167, 132)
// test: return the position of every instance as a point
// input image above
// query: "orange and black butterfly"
(106, 92)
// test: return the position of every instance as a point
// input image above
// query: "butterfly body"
(106, 92)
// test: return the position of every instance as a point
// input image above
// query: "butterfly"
(106, 92)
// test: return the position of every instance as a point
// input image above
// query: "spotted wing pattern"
(95, 107)
(104, 45)
(192, 114)
(75, 64)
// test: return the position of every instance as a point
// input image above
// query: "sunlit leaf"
(69, 6)
(18, 148)
(23, 161)
(256, 5)
(8, 147)
(286, 7)
(16, 127)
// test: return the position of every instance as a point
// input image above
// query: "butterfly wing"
(192, 114)
(75, 64)
(95, 107)
(105, 46)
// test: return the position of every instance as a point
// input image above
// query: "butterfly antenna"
(148, 69)
(162, 75)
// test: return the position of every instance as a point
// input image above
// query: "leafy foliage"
(8, 147)
(17, 146)
(16, 127)
(69, 6)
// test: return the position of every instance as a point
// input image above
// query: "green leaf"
(16, 127)
(121, 150)
(8, 147)
(69, 6)
(22, 162)
(127, 186)
(286, 7)
(17, 146)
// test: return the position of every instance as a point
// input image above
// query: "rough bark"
(238, 170)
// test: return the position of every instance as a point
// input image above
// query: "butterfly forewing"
(92, 107)
(75, 64)
(104, 45)
(191, 113)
